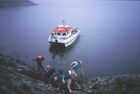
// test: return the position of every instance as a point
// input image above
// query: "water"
(109, 42)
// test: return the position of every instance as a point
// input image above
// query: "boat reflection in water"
(60, 49)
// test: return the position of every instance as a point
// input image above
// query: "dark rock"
(18, 78)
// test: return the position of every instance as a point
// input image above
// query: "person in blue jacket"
(57, 80)
(77, 65)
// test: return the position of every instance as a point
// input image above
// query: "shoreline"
(15, 3)
(17, 77)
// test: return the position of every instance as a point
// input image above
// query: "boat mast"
(63, 22)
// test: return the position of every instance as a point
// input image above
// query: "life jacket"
(39, 58)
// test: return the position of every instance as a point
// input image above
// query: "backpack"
(75, 65)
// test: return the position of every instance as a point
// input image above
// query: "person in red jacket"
(39, 59)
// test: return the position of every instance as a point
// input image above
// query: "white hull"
(72, 39)
(67, 41)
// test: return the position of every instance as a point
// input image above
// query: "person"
(69, 77)
(77, 65)
(57, 80)
(39, 59)
(49, 72)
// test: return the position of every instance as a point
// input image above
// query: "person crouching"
(57, 80)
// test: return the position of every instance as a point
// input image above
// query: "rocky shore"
(9, 3)
(18, 78)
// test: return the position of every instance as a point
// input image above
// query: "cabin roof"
(61, 29)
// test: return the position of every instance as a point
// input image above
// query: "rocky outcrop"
(8, 3)
(118, 84)
(13, 80)
(18, 78)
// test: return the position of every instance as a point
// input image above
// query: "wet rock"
(78, 92)
(1, 55)
(90, 86)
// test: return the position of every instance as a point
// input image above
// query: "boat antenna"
(63, 22)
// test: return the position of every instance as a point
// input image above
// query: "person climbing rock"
(70, 76)
(39, 59)
(49, 72)
(77, 65)
(57, 80)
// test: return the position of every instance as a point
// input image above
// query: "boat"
(63, 35)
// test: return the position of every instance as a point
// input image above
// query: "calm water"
(109, 42)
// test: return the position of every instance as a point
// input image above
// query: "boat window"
(64, 34)
(58, 33)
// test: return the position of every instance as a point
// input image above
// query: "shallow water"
(109, 42)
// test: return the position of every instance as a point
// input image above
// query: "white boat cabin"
(62, 31)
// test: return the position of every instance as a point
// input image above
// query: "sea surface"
(109, 41)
